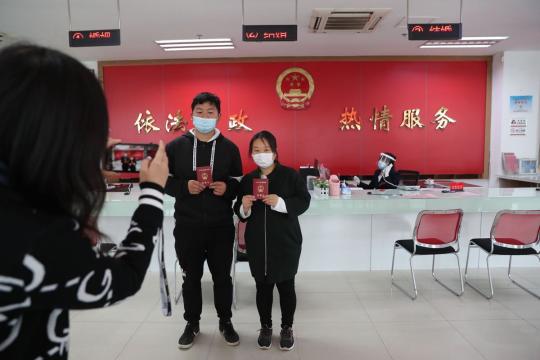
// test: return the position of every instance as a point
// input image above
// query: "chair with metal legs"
(436, 232)
(239, 254)
(513, 233)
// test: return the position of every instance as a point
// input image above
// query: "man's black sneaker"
(286, 342)
(187, 338)
(229, 334)
(265, 338)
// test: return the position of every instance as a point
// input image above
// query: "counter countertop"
(529, 178)
(378, 202)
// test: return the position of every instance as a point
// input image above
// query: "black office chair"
(409, 177)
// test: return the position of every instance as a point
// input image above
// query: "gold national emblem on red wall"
(295, 87)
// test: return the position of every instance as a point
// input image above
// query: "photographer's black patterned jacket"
(47, 266)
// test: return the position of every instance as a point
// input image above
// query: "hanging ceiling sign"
(262, 33)
(87, 38)
(447, 31)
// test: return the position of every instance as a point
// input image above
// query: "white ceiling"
(46, 22)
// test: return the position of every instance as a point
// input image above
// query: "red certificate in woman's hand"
(260, 188)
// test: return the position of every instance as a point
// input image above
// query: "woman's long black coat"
(392, 181)
(274, 239)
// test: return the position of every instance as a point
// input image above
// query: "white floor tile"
(99, 340)
(160, 341)
(519, 301)
(371, 281)
(500, 279)
(535, 323)
(321, 282)
(343, 341)
(336, 307)
(397, 307)
(502, 339)
(469, 306)
(425, 341)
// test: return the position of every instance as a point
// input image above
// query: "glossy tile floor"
(340, 315)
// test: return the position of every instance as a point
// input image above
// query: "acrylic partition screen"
(449, 94)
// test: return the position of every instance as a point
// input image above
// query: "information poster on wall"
(520, 103)
(518, 127)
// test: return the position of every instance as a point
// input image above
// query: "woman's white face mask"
(263, 160)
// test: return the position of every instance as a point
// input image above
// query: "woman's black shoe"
(265, 338)
(286, 342)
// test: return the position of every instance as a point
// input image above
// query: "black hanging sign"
(263, 33)
(448, 31)
(85, 38)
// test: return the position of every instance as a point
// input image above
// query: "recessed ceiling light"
(179, 41)
(460, 42)
(199, 48)
(196, 44)
(452, 46)
(193, 44)
(464, 42)
(484, 38)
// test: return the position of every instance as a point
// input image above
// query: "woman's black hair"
(266, 137)
(206, 97)
(53, 132)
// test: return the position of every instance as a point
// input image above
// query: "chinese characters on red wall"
(350, 120)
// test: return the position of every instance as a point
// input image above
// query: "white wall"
(513, 73)
(495, 165)
(92, 65)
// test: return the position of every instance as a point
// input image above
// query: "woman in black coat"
(53, 132)
(386, 176)
(273, 235)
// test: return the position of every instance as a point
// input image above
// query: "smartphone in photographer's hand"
(127, 157)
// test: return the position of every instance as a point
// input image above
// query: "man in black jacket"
(204, 219)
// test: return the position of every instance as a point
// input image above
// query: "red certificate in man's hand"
(204, 175)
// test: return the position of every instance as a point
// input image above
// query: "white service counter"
(519, 180)
(357, 232)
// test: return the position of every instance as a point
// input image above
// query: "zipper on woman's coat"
(265, 245)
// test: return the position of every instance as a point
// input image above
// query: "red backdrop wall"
(314, 132)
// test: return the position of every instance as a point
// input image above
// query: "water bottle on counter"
(345, 190)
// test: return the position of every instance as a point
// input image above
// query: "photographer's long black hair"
(53, 131)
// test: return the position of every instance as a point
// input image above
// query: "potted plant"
(321, 187)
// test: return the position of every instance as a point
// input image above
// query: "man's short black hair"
(206, 97)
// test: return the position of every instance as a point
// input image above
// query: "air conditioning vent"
(346, 20)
